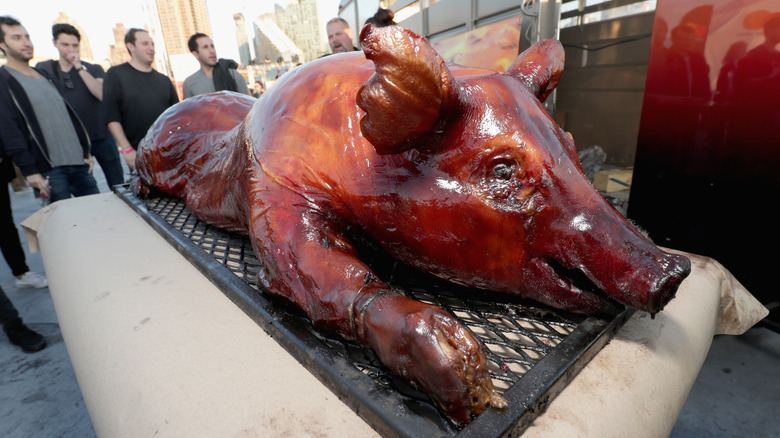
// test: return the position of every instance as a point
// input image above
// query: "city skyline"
(98, 23)
(299, 20)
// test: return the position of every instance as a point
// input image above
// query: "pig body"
(458, 172)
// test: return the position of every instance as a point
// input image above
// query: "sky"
(99, 18)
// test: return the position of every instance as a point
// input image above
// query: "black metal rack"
(533, 351)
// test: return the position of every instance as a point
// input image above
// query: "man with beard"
(135, 94)
(42, 134)
(39, 130)
(214, 75)
(340, 36)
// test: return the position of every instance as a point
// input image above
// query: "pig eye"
(503, 170)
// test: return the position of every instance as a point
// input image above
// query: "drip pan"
(533, 351)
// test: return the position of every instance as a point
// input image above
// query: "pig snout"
(651, 288)
(597, 253)
(627, 266)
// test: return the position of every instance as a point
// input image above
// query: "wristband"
(126, 151)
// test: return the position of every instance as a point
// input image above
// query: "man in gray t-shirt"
(39, 131)
(214, 75)
(61, 140)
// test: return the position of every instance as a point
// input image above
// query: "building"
(162, 62)
(299, 19)
(179, 19)
(242, 39)
(272, 45)
(85, 49)
(118, 53)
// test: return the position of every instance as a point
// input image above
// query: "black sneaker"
(20, 335)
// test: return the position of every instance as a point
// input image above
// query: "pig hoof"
(432, 351)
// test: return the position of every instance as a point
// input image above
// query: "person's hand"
(91, 162)
(36, 181)
(129, 158)
(75, 59)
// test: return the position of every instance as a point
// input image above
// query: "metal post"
(541, 21)
(548, 19)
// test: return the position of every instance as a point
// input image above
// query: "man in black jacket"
(38, 129)
(214, 74)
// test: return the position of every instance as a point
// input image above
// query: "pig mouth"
(578, 281)
(649, 286)
(570, 289)
(576, 278)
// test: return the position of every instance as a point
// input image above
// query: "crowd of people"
(60, 115)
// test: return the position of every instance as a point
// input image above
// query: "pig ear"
(539, 67)
(405, 97)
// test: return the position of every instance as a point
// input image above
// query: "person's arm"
(13, 138)
(113, 117)
(240, 83)
(36, 181)
(174, 95)
(94, 84)
(186, 89)
(94, 80)
(125, 148)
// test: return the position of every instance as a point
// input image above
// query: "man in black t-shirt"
(135, 94)
(81, 83)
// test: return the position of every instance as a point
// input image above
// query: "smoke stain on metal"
(533, 351)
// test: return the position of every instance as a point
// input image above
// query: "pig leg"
(308, 261)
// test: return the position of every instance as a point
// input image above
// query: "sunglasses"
(67, 81)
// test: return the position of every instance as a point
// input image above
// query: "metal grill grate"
(518, 335)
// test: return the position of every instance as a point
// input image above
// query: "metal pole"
(548, 19)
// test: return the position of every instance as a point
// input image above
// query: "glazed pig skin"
(458, 172)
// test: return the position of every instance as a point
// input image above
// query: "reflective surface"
(708, 162)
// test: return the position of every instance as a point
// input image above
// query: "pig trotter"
(430, 349)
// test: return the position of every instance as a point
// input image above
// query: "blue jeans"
(70, 180)
(110, 162)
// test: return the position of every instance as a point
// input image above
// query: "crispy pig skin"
(456, 171)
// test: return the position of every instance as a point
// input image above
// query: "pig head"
(492, 194)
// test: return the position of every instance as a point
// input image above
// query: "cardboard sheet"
(159, 351)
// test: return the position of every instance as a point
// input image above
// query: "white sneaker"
(32, 279)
